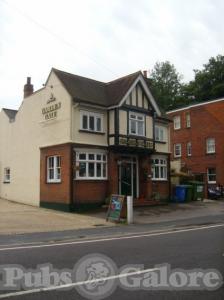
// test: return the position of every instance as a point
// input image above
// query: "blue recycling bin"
(180, 194)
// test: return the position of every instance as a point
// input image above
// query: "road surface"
(188, 247)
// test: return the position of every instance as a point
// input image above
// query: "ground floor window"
(91, 165)
(54, 169)
(7, 175)
(159, 168)
(211, 175)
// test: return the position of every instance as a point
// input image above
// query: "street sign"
(115, 207)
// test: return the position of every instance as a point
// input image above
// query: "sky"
(103, 39)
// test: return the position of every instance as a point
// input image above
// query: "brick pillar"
(113, 173)
(145, 182)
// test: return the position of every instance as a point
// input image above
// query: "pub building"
(76, 141)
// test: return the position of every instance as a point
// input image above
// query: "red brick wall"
(56, 192)
(113, 173)
(206, 121)
(89, 191)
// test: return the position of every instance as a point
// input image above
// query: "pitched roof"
(96, 92)
(11, 113)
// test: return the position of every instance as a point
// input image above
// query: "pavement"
(19, 218)
(23, 219)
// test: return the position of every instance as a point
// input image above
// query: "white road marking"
(111, 238)
(74, 284)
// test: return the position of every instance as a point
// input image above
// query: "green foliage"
(166, 84)
(170, 92)
(209, 82)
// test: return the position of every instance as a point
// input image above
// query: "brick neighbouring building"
(83, 140)
(197, 140)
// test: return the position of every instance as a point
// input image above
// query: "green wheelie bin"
(198, 190)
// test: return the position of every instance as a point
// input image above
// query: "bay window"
(91, 165)
(159, 168)
(53, 169)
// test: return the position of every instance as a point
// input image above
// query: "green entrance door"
(128, 177)
(126, 181)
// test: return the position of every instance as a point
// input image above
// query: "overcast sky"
(103, 39)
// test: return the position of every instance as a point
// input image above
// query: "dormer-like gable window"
(91, 121)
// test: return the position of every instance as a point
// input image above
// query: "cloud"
(103, 39)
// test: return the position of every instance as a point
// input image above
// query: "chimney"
(28, 88)
(145, 72)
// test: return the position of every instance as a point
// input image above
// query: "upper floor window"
(7, 175)
(91, 121)
(177, 150)
(159, 168)
(211, 175)
(137, 124)
(91, 165)
(189, 149)
(176, 122)
(188, 120)
(159, 133)
(54, 169)
(210, 145)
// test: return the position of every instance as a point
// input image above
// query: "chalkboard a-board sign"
(115, 207)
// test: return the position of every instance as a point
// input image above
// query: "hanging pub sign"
(115, 207)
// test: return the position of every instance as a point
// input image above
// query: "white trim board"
(147, 91)
(194, 105)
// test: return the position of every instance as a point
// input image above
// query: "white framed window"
(177, 150)
(211, 175)
(54, 169)
(188, 120)
(189, 149)
(91, 165)
(159, 168)
(176, 122)
(210, 145)
(91, 121)
(160, 133)
(136, 124)
(7, 175)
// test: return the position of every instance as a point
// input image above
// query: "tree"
(166, 85)
(208, 83)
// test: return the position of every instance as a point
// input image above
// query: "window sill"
(211, 182)
(160, 142)
(90, 131)
(177, 156)
(52, 182)
(159, 180)
(210, 153)
(90, 179)
(134, 136)
(6, 182)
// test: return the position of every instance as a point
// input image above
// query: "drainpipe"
(71, 176)
(153, 126)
